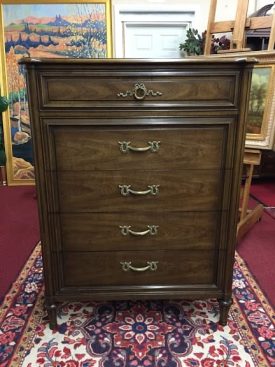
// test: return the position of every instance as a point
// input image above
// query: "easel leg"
(249, 217)
(246, 191)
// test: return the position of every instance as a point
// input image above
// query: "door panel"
(153, 40)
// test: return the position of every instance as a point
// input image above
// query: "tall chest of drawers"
(138, 169)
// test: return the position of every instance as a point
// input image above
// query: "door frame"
(161, 15)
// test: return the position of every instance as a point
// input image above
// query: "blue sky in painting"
(14, 12)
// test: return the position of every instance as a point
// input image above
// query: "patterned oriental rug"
(134, 334)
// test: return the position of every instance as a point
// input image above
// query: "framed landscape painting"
(51, 29)
(261, 110)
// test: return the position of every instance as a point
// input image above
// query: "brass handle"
(151, 265)
(125, 190)
(125, 147)
(152, 230)
(139, 92)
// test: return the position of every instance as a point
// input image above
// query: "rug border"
(255, 286)
(15, 287)
(242, 317)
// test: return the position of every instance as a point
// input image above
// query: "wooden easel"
(248, 218)
(237, 27)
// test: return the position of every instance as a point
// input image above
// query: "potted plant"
(193, 44)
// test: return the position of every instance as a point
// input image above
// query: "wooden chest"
(138, 168)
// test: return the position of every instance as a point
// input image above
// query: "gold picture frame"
(263, 82)
(264, 138)
(49, 28)
(259, 101)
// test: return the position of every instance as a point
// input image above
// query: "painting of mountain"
(45, 30)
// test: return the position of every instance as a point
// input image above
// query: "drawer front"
(75, 91)
(139, 268)
(115, 191)
(151, 231)
(86, 148)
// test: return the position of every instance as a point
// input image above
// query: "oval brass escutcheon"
(140, 91)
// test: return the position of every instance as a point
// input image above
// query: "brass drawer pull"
(151, 265)
(139, 92)
(125, 147)
(125, 190)
(152, 230)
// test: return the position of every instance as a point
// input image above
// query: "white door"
(153, 40)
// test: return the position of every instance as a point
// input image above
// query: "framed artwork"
(72, 29)
(260, 132)
(261, 118)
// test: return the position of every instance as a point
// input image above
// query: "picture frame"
(49, 28)
(264, 137)
(259, 101)
(261, 125)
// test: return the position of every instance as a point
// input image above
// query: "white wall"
(201, 5)
(261, 3)
(226, 9)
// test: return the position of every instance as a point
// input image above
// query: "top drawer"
(93, 90)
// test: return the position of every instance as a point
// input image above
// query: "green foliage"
(4, 104)
(193, 45)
